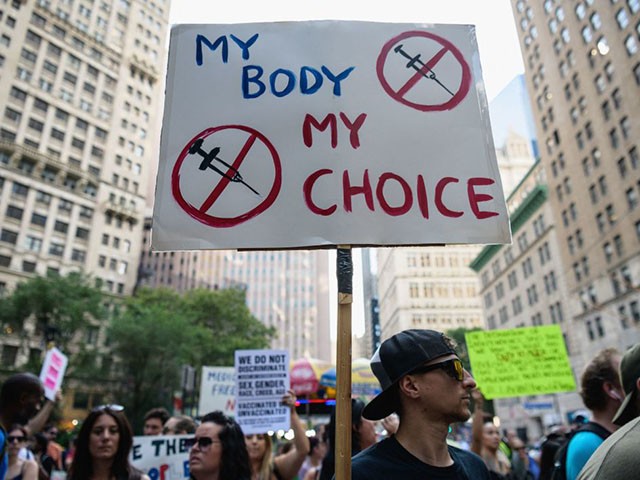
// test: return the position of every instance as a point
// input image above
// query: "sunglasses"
(452, 367)
(16, 438)
(109, 406)
(202, 442)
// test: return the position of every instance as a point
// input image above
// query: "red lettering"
(423, 203)
(349, 191)
(329, 120)
(306, 190)
(163, 468)
(353, 128)
(438, 199)
(408, 196)
(475, 198)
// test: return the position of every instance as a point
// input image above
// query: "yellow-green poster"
(521, 361)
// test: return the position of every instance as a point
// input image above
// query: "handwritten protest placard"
(52, 373)
(521, 361)
(385, 141)
(161, 457)
(217, 390)
(262, 378)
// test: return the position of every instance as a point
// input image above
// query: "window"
(32, 243)
(38, 219)
(14, 212)
(82, 233)
(56, 249)
(61, 227)
(8, 236)
(78, 255)
(631, 45)
(587, 36)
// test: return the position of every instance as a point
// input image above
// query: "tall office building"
(81, 89)
(583, 74)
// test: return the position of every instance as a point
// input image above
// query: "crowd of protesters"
(410, 411)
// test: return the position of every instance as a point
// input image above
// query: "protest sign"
(520, 361)
(262, 379)
(217, 390)
(52, 373)
(379, 142)
(161, 457)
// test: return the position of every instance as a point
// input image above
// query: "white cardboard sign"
(161, 457)
(217, 390)
(262, 379)
(52, 373)
(321, 133)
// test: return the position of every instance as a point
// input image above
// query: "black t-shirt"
(388, 460)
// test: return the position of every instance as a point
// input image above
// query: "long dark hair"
(82, 465)
(328, 463)
(235, 458)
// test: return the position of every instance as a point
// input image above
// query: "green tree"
(225, 313)
(159, 330)
(62, 307)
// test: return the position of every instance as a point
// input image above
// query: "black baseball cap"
(629, 374)
(395, 358)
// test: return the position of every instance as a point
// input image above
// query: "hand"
(391, 424)
(290, 399)
(478, 398)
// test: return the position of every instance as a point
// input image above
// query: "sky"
(500, 55)
(498, 45)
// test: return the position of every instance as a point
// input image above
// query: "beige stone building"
(522, 285)
(583, 76)
(81, 90)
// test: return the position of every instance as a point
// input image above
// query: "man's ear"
(408, 386)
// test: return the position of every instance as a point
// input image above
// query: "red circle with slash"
(199, 213)
(399, 94)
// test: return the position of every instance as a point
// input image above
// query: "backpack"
(561, 443)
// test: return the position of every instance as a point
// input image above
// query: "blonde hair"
(266, 466)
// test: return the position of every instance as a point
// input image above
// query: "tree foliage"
(62, 307)
(159, 330)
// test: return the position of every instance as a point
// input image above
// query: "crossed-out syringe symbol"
(210, 157)
(420, 67)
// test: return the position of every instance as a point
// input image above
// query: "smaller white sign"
(161, 457)
(52, 373)
(217, 390)
(262, 379)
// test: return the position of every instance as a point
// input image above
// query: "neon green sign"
(521, 361)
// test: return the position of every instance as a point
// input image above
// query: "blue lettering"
(185, 467)
(154, 474)
(341, 76)
(304, 80)
(201, 39)
(246, 80)
(244, 46)
(291, 83)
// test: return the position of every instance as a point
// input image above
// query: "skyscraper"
(583, 74)
(81, 88)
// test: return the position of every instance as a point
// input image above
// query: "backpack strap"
(596, 428)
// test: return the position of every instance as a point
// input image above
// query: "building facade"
(81, 90)
(523, 285)
(583, 75)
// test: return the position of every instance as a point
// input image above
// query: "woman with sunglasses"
(264, 466)
(218, 451)
(19, 469)
(102, 447)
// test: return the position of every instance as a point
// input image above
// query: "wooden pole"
(344, 267)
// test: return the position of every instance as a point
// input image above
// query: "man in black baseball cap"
(424, 382)
(618, 457)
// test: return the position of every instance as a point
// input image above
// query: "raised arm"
(288, 464)
(478, 422)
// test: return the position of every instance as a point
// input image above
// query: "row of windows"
(555, 310)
